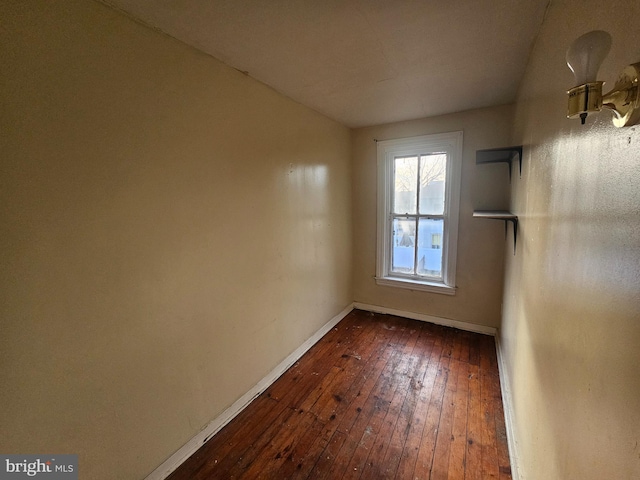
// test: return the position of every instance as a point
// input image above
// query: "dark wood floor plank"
(458, 447)
(474, 350)
(457, 348)
(353, 363)
(490, 464)
(440, 468)
(409, 456)
(504, 464)
(277, 451)
(339, 398)
(369, 422)
(473, 470)
(261, 446)
(258, 420)
(465, 347)
(375, 464)
(268, 443)
(209, 456)
(322, 467)
(436, 406)
(302, 458)
(296, 384)
(295, 381)
(356, 396)
(386, 467)
(378, 397)
(489, 360)
(236, 465)
(331, 404)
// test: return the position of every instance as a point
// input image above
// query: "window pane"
(433, 171)
(404, 241)
(430, 247)
(405, 184)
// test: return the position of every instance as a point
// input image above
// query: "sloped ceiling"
(363, 62)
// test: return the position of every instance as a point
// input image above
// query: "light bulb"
(586, 54)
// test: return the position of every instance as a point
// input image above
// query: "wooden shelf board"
(495, 214)
(500, 155)
(495, 155)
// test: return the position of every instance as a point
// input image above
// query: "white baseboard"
(188, 449)
(470, 327)
(507, 402)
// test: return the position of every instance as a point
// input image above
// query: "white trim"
(413, 285)
(470, 327)
(189, 448)
(387, 151)
(507, 402)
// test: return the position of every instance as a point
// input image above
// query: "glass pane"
(433, 172)
(405, 184)
(404, 241)
(430, 234)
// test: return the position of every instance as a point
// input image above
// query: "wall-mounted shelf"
(501, 215)
(500, 155)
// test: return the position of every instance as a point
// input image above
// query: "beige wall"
(481, 243)
(170, 231)
(571, 327)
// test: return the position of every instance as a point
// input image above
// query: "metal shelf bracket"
(501, 215)
(501, 155)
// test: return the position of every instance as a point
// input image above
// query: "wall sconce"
(584, 57)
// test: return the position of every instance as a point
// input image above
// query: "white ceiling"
(363, 62)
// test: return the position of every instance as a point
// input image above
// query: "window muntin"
(418, 201)
(418, 214)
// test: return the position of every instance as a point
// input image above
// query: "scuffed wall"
(571, 328)
(170, 231)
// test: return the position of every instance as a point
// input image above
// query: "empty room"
(369, 239)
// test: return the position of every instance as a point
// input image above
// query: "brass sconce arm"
(624, 100)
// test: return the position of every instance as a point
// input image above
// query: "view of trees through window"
(418, 214)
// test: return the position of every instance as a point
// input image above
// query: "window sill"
(415, 285)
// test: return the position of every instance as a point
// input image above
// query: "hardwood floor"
(378, 397)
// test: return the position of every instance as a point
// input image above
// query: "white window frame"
(388, 150)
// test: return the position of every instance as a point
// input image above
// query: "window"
(418, 199)
(436, 240)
